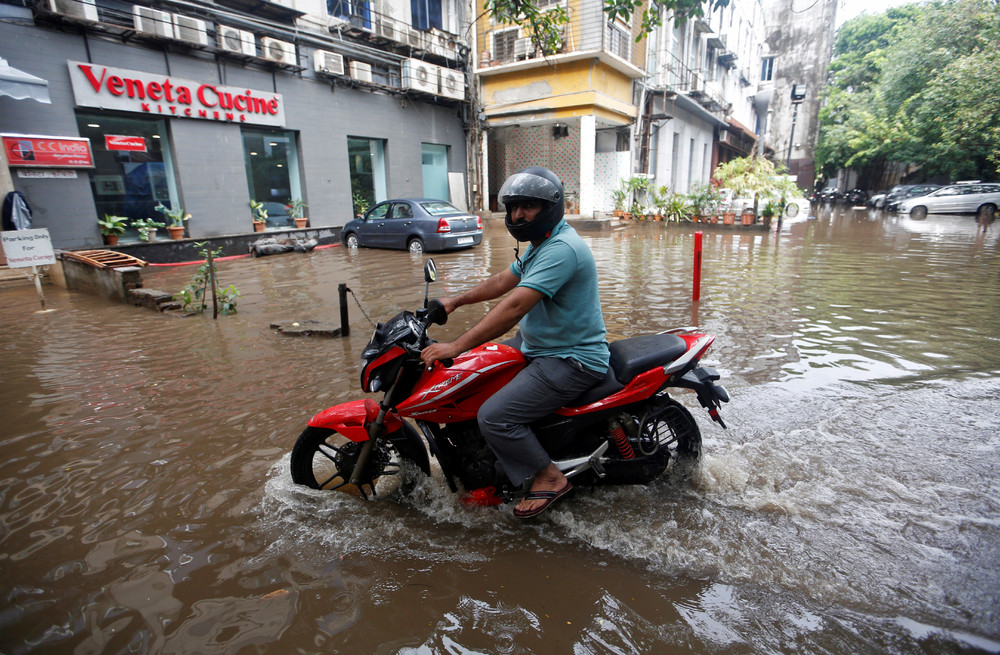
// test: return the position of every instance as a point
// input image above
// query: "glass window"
(133, 169)
(425, 14)
(358, 12)
(766, 69)
(272, 165)
(440, 208)
(366, 162)
(402, 210)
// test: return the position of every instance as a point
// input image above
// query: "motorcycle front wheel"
(324, 459)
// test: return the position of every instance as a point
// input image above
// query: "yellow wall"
(562, 91)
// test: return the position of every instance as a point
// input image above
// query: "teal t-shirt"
(567, 322)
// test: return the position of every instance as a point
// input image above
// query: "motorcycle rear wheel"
(324, 459)
(670, 436)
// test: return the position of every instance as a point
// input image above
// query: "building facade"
(797, 52)
(205, 106)
(608, 107)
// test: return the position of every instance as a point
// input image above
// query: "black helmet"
(533, 183)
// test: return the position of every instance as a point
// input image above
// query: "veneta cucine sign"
(105, 87)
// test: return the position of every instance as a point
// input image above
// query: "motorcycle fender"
(351, 419)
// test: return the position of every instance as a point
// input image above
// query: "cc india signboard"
(105, 87)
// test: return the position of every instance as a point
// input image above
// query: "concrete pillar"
(484, 171)
(588, 148)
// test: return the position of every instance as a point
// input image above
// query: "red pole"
(696, 295)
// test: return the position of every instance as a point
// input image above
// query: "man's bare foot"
(549, 479)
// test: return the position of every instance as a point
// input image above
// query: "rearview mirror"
(430, 275)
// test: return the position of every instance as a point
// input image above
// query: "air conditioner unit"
(521, 48)
(235, 40)
(452, 84)
(361, 71)
(415, 39)
(328, 62)
(696, 83)
(420, 76)
(282, 52)
(85, 9)
(387, 29)
(190, 29)
(153, 21)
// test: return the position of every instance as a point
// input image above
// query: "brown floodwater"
(853, 505)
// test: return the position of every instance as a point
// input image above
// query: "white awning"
(20, 85)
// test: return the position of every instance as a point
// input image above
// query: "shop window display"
(272, 165)
(133, 169)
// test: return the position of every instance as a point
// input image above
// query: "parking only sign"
(25, 248)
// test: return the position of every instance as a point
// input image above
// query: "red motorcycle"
(625, 430)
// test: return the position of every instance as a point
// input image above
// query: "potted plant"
(112, 227)
(677, 208)
(259, 214)
(146, 227)
(177, 218)
(768, 213)
(618, 196)
(360, 204)
(297, 208)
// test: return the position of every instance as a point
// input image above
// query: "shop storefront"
(207, 134)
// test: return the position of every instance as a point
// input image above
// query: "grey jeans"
(545, 385)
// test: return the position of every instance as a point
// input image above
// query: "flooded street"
(853, 505)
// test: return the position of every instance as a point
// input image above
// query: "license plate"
(464, 240)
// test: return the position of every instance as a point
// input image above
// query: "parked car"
(955, 199)
(903, 192)
(877, 200)
(414, 224)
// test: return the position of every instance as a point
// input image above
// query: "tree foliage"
(546, 25)
(913, 86)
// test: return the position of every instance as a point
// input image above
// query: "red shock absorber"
(621, 441)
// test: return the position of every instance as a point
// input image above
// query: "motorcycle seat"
(629, 358)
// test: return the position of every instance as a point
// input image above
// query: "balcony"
(507, 48)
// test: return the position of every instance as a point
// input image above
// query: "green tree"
(913, 86)
(546, 26)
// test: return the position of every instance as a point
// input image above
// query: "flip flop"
(548, 496)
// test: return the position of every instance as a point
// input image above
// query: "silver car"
(414, 224)
(975, 198)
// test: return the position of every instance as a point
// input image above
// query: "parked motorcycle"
(625, 430)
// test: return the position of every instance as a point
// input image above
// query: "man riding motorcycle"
(553, 294)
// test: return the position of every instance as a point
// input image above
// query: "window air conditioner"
(85, 9)
(361, 71)
(153, 21)
(234, 40)
(420, 76)
(279, 51)
(452, 84)
(190, 29)
(521, 48)
(416, 40)
(387, 29)
(696, 82)
(328, 62)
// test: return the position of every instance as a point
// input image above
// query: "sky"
(848, 9)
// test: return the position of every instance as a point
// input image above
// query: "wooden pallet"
(103, 258)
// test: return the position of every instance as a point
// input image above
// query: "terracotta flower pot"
(728, 218)
(747, 219)
(259, 226)
(176, 231)
(111, 239)
(301, 222)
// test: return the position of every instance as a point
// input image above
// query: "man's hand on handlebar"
(438, 352)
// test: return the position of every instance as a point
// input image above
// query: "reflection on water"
(145, 502)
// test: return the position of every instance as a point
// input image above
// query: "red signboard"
(47, 151)
(131, 143)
